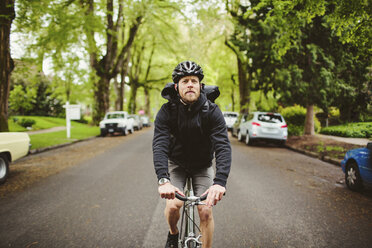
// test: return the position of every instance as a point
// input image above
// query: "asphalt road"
(275, 198)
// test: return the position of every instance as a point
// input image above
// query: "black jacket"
(191, 143)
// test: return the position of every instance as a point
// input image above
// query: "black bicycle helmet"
(187, 68)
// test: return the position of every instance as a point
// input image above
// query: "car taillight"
(256, 124)
(284, 126)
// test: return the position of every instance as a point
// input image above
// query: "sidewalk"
(49, 130)
(355, 141)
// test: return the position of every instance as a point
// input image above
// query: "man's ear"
(176, 87)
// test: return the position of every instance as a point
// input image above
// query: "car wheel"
(125, 131)
(248, 140)
(240, 138)
(103, 133)
(4, 168)
(352, 176)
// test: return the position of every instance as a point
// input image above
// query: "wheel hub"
(351, 177)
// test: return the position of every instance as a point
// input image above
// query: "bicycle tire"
(191, 244)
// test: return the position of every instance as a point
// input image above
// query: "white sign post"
(72, 113)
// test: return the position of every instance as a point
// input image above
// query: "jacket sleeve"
(160, 143)
(221, 145)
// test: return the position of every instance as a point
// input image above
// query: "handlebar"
(191, 198)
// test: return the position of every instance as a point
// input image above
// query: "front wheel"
(103, 133)
(248, 140)
(4, 168)
(125, 131)
(352, 176)
(192, 244)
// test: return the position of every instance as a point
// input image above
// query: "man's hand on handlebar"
(168, 191)
(215, 193)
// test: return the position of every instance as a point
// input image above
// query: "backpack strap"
(205, 127)
(173, 120)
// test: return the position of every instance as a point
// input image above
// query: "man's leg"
(172, 214)
(206, 225)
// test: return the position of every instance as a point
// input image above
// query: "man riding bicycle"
(189, 130)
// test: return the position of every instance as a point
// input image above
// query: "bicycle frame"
(188, 238)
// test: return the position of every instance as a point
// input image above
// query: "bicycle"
(188, 238)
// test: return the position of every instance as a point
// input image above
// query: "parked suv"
(230, 118)
(236, 126)
(263, 126)
(116, 122)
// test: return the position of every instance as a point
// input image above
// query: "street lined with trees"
(118, 54)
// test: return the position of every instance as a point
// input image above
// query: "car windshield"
(230, 115)
(115, 116)
(272, 118)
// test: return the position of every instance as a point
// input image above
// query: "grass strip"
(41, 122)
(78, 132)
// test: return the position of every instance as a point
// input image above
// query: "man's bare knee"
(205, 213)
(173, 206)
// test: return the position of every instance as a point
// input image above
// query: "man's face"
(189, 89)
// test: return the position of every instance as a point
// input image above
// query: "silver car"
(263, 126)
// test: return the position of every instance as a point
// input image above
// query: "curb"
(44, 149)
(316, 155)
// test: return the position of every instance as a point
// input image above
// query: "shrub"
(26, 122)
(354, 130)
(295, 117)
(294, 130)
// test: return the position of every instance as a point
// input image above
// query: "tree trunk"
(7, 14)
(309, 121)
(244, 78)
(118, 95)
(147, 102)
(101, 100)
(111, 63)
(120, 88)
(244, 87)
(132, 101)
(232, 98)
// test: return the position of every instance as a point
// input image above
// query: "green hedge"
(354, 130)
(295, 118)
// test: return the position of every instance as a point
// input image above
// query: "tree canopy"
(118, 54)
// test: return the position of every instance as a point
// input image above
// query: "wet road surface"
(275, 198)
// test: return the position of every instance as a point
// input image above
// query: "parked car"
(114, 122)
(357, 166)
(263, 126)
(230, 118)
(137, 123)
(145, 120)
(236, 126)
(13, 146)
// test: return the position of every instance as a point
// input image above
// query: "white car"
(13, 146)
(230, 118)
(136, 121)
(145, 120)
(263, 126)
(116, 122)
